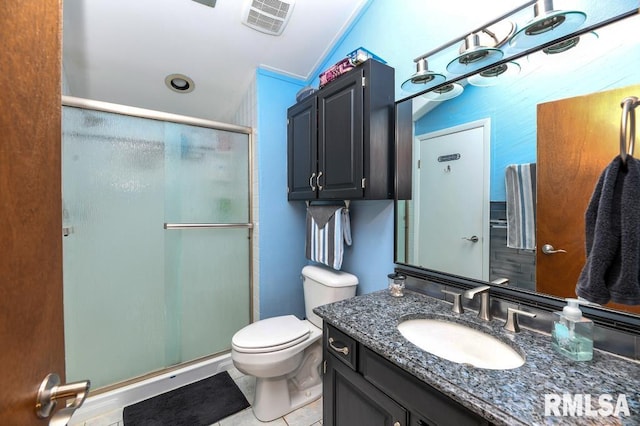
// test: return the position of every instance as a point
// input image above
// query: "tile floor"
(309, 415)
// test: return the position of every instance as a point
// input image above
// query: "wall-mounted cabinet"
(341, 139)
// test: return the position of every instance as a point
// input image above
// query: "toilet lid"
(271, 334)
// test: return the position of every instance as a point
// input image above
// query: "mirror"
(502, 121)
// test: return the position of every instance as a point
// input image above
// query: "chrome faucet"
(457, 301)
(500, 281)
(485, 308)
(512, 324)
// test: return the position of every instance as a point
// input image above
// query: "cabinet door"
(428, 406)
(340, 138)
(302, 123)
(349, 400)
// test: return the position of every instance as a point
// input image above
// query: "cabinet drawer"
(341, 346)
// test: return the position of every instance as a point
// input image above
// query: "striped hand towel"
(328, 228)
(521, 206)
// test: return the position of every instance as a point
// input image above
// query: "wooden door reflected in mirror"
(577, 139)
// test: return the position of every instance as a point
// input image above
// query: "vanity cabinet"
(340, 140)
(362, 388)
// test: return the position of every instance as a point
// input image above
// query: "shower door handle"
(51, 391)
(207, 225)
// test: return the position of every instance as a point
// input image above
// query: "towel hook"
(628, 122)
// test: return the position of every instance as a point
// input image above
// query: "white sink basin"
(459, 343)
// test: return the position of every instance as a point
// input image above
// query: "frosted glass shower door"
(207, 238)
(113, 251)
(157, 243)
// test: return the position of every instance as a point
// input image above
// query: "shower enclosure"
(156, 238)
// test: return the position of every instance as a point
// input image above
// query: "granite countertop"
(504, 397)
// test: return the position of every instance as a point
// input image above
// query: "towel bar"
(498, 223)
(628, 112)
(206, 225)
(346, 204)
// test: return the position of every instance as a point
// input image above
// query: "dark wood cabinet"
(350, 400)
(362, 388)
(341, 139)
(302, 119)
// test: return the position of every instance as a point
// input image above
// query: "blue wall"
(397, 36)
(512, 106)
(397, 32)
(281, 224)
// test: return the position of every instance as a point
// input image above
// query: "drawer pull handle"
(344, 350)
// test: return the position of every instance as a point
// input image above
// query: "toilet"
(285, 353)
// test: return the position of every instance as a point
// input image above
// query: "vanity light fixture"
(474, 56)
(179, 83)
(423, 78)
(565, 45)
(444, 93)
(495, 75)
(548, 24)
(482, 48)
(567, 55)
(562, 46)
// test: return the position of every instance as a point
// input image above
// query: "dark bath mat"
(198, 404)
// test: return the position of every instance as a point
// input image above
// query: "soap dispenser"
(572, 334)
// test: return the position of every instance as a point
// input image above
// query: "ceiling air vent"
(268, 16)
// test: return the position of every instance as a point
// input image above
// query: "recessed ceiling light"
(179, 83)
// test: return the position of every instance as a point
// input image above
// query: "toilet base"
(277, 396)
(269, 403)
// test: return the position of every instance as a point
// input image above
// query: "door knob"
(473, 239)
(548, 249)
(51, 391)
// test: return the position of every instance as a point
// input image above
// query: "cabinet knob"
(397, 424)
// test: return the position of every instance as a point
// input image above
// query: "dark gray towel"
(322, 214)
(612, 219)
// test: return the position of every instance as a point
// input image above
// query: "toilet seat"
(271, 334)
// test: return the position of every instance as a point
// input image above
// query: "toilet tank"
(323, 285)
